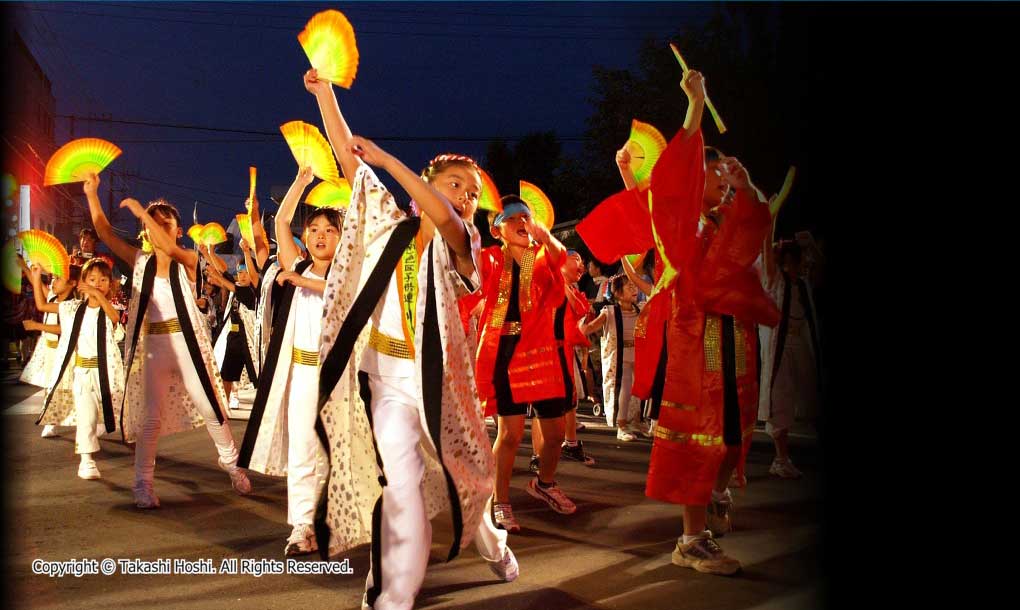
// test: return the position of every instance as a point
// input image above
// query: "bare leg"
(782, 441)
(508, 439)
(570, 425)
(536, 437)
(729, 463)
(549, 454)
(694, 520)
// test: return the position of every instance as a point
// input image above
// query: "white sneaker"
(301, 541)
(88, 470)
(235, 404)
(636, 429)
(145, 497)
(506, 568)
(553, 496)
(623, 435)
(238, 477)
(49, 431)
(785, 470)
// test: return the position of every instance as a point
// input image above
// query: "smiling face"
(461, 184)
(87, 242)
(573, 268)
(624, 291)
(321, 237)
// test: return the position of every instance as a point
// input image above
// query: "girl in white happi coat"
(171, 380)
(617, 322)
(86, 356)
(235, 350)
(39, 370)
(281, 438)
(399, 411)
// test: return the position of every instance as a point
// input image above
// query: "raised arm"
(694, 86)
(632, 275)
(160, 239)
(246, 249)
(287, 251)
(596, 324)
(214, 259)
(122, 249)
(337, 131)
(433, 204)
(217, 279)
(553, 247)
(35, 276)
(259, 233)
(626, 172)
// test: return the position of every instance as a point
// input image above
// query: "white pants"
(166, 358)
(406, 531)
(795, 389)
(630, 407)
(303, 446)
(489, 540)
(88, 404)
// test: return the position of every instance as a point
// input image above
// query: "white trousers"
(406, 532)
(630, 407)
(167, 360)
(303, 446)
(88, 405)
(489, 540)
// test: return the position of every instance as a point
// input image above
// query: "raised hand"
(288, 276)
(91, 185)
(368, 151)
(623, 158)
(314, 85)
(305, 176)
(693, 85)
(133, 205)
(734, 173)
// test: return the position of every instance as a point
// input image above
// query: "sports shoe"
(636, 429)
(624, 436)
(506, 568)
(785, 470)
(238, 477)
(533, 466)
(88, 470)
(576, 453)
(503, 516)
(235, 403)
(145, 497)
(553, 496)
(704, 555)
(718, 517)
(301, 541)
(49, 431)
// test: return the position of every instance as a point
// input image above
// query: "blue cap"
(511, 209)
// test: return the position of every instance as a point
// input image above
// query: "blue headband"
(511, 209)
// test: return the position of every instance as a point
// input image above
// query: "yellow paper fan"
(251, 189)
(328, 41)
(213, 233)
(489, 199)
(541, 208)
(195, 233)
(46, 251)
(646, 144)
(244, 226)
(329, 195)
(310, 148)
(75, 160)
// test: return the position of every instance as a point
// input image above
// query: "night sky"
(433, 77)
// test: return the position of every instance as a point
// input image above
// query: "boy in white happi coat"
(399, 412)
(281, 438)
(171, 381)
(87, 358)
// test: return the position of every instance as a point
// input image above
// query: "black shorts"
(505, 405)
(235, 358)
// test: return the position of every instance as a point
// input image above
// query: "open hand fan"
(9, 268)
(75, 160)
(311, 149)
(645, 146)
(213, 233)
(244, 225)
(46, 251)
(251, 189)
(329, 195)
(541, 208)
(784, 192)
(328, 41)
(708, 103)
(489, 199)
(195, 233)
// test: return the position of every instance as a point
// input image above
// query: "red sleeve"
(618, 226)
(677, 195)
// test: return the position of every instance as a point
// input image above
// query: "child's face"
(715, 187)
(514, 231)
(573, 268)
(167, 222)
(627, 293)
(99, 281)
(462, 186)
(87, 243)
(59, 285)
(321, 238)
(243, 279)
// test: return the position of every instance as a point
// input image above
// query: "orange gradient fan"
(74, 161)
(10, 270)
(328, 41)
(244, 226)
(490, 200)
(212, 234)
(329, 195)
(310, 148)
(645, 146)
(46, 251)
(541, 208)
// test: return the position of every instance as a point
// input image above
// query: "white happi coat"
(353, 485)
(249, 327)
(59, 406)
(39, 368)
(181, 413)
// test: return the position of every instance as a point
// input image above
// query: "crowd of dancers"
(379, 342)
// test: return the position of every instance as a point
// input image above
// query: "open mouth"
(523, 233)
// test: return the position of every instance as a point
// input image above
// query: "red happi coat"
(577, 309)
(535, 372)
